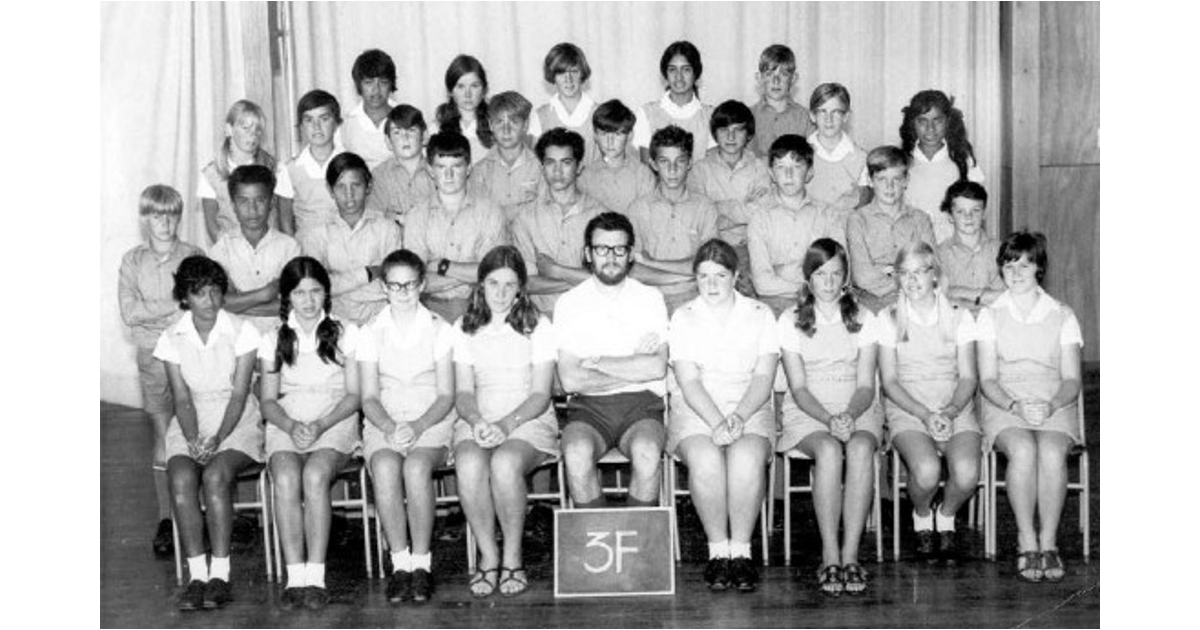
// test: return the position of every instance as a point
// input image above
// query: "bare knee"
(316, 480)
(925, 472)
(578, 450)
(645, 453)
(417, 469)
(1019, 447)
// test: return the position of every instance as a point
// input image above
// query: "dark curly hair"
(957, 144)
(195, 273)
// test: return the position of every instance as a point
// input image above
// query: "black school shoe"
(422, 585)
(716, 574)
(399, 587)
(948, 548)
(217, 593)
(164, 540)
(292, 598)
(926, 546)
(192, 597)
(743, 575)
(316, 597)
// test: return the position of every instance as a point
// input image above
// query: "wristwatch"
(443, 267)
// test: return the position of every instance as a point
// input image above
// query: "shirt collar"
(748, 158)
(677, 112)
(422, 322)
(788, 106)
(360, 111)
(187, 328)
(309, 162)
(844, 147)
(916, 316)
(983, 240)
(1041, 308)
(582, 113)
(941, 155)
(307, 341)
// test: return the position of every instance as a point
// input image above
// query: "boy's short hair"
(448, 144)
(885, 157)
(671, 136)
(777, 56)
(193, 274)
(966, 189)
(732, 112)
(790, 144)
(609, 222)
(404, 116)
(827, 91)
(346, 161)
(160, 198)
(314, 99)
(560, 137)
(689, 52)
(510, 102)
(1024, 243)
(613, 117)
(250, 174)
(563, 57)
(373, 64)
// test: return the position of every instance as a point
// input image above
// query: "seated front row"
(482, 388)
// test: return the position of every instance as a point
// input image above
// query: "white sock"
(401, 561)
(944, 523)
(296, 575)
(739, 549)
(718, 549)
(314, 574)
(198, 567)
(922, 523)
(422, 561)
(219, 569)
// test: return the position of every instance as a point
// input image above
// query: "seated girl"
(504, 365)
(310, 400)
(209, 357)
(722, 425)
(407, 379)
(1029, 345)
(828, 350)
(927, 365)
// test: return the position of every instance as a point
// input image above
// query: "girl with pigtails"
(245, 125)
(465, 110)
(827, 343)
(927, 366)
(310, 398)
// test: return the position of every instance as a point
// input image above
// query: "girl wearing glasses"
(927, 363)
(407, 382)
(504, 365)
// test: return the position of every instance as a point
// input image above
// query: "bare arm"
(535, 404)
(261, 301)
(350, 402)
(864, 394)
(793, 367)
(761, 387)
(242, 373)
(599, 374)
(1069, 370)
(185, 410)
(271, 409)
(285, 218)
(211, 226)
(440, 409)
(895, 391)
(687, 374)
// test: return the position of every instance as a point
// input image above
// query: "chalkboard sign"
(613, 552)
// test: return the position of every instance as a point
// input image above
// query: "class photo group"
(509, 282)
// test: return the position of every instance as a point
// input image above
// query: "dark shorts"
(612, 415)
(156, 389)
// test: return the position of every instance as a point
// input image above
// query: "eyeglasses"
(605, 250)
(913, 273)
(402, 287)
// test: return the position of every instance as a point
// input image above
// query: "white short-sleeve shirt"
(1070, 333)
(589, 323)
(381, 335)
(697, 336)
(183, 338)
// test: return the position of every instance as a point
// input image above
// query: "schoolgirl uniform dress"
(928, 179)
(302, 180)
(830, 373)
(208, 368)
(554, 114)
(692, 118)
(503, 361)
(310, 388)
(726, 354)
(407, 361)
(837, 172)
(1028, 357)
(927, 367)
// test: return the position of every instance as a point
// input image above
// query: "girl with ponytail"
(310, 399)
(927, 365)
(827, 343)
(504, 365)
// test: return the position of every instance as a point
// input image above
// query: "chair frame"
(978, 512)
(1083, 485)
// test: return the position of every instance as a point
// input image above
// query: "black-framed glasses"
(402, 287)
(605, 250)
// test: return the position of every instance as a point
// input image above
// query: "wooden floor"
(136, 590)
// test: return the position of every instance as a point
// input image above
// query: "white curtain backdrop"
(170, 70)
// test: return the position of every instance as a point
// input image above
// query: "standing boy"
(777, 114)
(672, 220)
(452, 229)
(510, 173)
(548, 231)
(144, 290)
(302, 181)
(615, 173)
(253, 255)
(612, 359)
(403, 180)
(374, 75)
